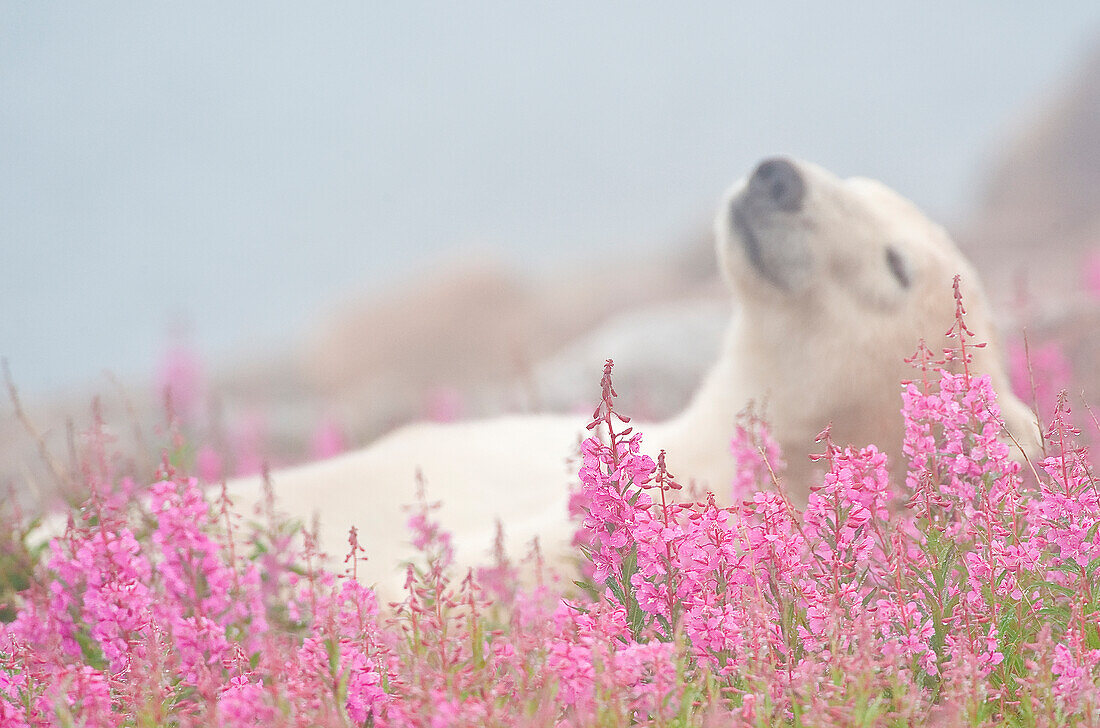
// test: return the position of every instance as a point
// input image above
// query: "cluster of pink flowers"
(966, 583)
(240, 445)
(962, 591)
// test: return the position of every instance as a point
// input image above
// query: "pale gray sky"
(242, 165)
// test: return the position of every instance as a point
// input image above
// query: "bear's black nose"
(779, 181)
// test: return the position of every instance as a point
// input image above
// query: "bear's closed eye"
(897, 266)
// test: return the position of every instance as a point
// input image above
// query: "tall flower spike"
(663, 480)
(355, 552)
(960, 331)
(758, 457)
(925, 361)
(826, 437)
(1062, 435)
(606, 409)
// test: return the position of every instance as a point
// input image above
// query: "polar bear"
(834, 280)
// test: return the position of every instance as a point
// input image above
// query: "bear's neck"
(698, 439)
(724, 391)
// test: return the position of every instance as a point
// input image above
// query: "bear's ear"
(898, 266)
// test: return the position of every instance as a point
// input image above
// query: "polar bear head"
(838, 280)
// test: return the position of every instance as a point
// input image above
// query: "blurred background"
(311, 224)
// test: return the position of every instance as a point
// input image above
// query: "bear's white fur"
(825, 314)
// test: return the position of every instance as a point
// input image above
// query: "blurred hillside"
(1039, 217)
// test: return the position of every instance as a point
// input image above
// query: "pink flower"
(365, 696)
(244, 704)
(757, 455)
(208, 463)
(180, 379)
(1074, 669)
(328, 440)
(444, 404)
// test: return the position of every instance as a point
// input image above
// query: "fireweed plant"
(962, 591)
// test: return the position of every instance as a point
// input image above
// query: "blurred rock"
(661, 354)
